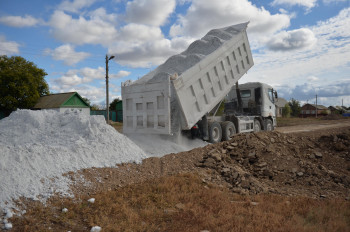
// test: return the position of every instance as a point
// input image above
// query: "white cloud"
(204, 15)
(94, 94)
(19, 21)
(312, 78)
(100, 14)
(95, 30)
(67, 54)
(8, 47)
(328, 93)
(308, 4)
(138, 32)
(144, 46)
(75, 5)
(328, 60)
(79, 80)
(140, 45)
(70, 79)
(182, 2)
(74, 77)
(148, 53)
(120, 74)
(150, 12)
(292, 40)
(333, 1)
(90, 74)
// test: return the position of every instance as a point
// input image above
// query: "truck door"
(258, 100)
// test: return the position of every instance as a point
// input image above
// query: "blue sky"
(300, 47)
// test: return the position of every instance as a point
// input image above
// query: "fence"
(115, 116)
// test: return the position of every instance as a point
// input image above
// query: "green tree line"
(22, 83)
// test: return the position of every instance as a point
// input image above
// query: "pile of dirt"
(313, 164)
(283, 164)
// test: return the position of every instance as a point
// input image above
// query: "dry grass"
(281, 122)
(185, 203)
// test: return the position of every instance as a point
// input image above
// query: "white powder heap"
(37, 147)
(160, 145)
(197, 51)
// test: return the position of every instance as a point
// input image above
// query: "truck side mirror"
(276, 95)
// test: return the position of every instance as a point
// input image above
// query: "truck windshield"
(270, 91)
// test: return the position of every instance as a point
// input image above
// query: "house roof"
(319, 107)
(281, 102)
(339, 108)
(60, 100)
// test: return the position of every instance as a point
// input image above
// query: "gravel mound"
(37, 147)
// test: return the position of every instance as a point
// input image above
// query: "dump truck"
(185, 92)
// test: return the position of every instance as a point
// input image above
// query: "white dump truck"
(188, 88)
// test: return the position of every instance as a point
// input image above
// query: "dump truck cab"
(258, 99)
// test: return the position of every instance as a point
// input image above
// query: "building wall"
(279, 111)
(309, 110)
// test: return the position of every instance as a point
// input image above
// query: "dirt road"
(331, 124)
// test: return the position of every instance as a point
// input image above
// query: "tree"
(295, 107)
(87, 100)
(286, 110)
(113, 104)
(95, 107)
(92, 106)
(22, 83)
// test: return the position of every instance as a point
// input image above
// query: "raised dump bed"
(187, 86)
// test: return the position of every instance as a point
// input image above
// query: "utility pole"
(316, 105)
(107, 93)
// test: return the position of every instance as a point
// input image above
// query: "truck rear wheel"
(257, 125)
(215, 132)
(228, 130)
(269, 126)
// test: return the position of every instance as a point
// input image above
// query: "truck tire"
(269, 125)
(257, 125)
(228, 130)
(215, 132)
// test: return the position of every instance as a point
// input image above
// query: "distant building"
(309, 110)
(335, 109)
(280, 104)
(62, 102)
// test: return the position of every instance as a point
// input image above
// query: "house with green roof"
(62, 102)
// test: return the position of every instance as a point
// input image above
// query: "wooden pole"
(107, 93)
(316, 105)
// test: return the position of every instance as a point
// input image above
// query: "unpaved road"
(331, 124)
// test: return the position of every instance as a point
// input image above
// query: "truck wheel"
(257, 126)
(215, 132)
(228, 130)
(269, 126)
